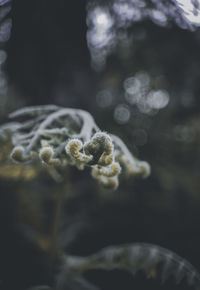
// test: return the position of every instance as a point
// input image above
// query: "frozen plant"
(58, 137)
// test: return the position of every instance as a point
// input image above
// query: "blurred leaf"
(151, 259)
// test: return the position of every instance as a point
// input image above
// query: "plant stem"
(54, 250)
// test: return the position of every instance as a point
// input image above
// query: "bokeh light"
(138, 92)
(5, 31)
(107, 24)
(100, 35)
(122, 114)
(158, 99)
(191, 10)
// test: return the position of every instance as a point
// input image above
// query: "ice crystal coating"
(58, 137)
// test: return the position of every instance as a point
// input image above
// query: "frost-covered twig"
(58, 137)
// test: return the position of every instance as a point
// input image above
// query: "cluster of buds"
(58, 137)
(98, 153)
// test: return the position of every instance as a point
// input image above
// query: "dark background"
(48, 61)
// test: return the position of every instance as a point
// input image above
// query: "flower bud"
(17, 154)
(46, 154)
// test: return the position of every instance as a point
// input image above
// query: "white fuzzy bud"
(145, 168)
(106, 160)
(103, 140)
(109, 182)
(73, 148)
(46, 154)
(110, 171)
(136, 167)
(17, 154)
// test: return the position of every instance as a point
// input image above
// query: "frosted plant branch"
(58, 137)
